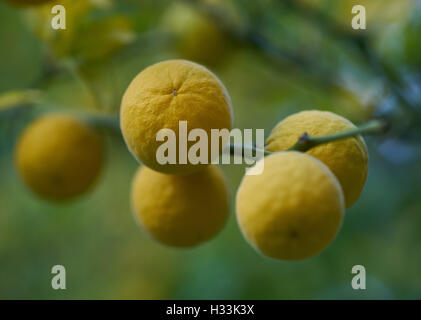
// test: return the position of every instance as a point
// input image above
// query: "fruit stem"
(105, 121)
(306, 142)
(235, 149)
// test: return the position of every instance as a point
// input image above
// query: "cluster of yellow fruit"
(295, 208)
(291, 211)
(178, 204)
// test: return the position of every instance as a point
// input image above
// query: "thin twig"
(247, 35)
(110, 122)
(306, 142)
(361, 42)
(72, 67)
(328, 25)
(240, 149)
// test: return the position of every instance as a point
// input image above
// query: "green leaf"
(15, 98)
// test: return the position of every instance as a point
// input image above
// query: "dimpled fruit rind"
(293, 210)
(59, 157)
(180, 210)
(346, 158)
(162, 95)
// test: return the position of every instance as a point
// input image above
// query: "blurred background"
(276, 57)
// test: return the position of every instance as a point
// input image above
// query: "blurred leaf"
(103, 38)
(59, 41)
(86, 36)
(20, 53)
(18, 97)
(412, 43)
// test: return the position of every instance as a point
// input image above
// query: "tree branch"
(240, 149)
(306, 142)
(362, 43)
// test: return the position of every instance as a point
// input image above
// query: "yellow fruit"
(197, 37)
(59, 157)
(164, 94)
(180, 211)
(293, 210)
(346, 158)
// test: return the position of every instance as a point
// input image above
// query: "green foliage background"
(86, 69)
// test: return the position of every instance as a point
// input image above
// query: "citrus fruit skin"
(346, 158)
(59, 157)
(162, 95)
(197, 37)
(180, 211)
(293, 210)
